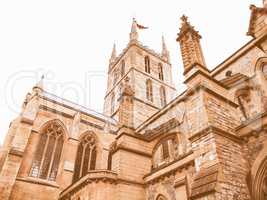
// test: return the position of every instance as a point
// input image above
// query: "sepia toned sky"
(70, 42)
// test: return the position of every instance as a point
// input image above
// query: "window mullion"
(43, 156)
(90, 158)
(52, 158)
(81, 169)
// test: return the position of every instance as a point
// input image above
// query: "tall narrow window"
(166, 151)
(112, 103)
(147, 64)
(122, 68)
(47, 156)
(149, 90)
(161, 77)
(85, 157)
(162, 96)
(115, 76)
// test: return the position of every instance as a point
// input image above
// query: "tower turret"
(191, 50)
(134, 33)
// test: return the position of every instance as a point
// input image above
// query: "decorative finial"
(184, 19)
(113, 54)
(186, 27)
(134, 33)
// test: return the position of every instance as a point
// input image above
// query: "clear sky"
(70, 42)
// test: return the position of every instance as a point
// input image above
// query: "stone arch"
(259, 175)
(259, 63)
(165, 137)
(165, 150)
(56, 121)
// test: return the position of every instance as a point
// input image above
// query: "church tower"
(148, 73)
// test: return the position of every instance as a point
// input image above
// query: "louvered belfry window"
(162, 96)
(85, 158)
(149, 90)
(147, 64)
(47, 156)
(161, 77)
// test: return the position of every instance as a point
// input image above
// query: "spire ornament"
(113, 54)
(134, 33)
(165, 53)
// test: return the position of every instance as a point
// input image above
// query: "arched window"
(122, 68)
(162, 96)
(85, 157)
(147, 64)
(112, 103)
(47, 156)
(166, 151)
(149, 90)
(161, 77)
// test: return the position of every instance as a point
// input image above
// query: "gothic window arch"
(85, 157)
(47, 156)
(149, 90)
(165, 151)
(122, 67)
(112, 103)
(162, 92)
(147, 64)
(160, 68)
(261, 65)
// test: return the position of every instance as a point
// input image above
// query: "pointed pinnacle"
(163, 43)
(113, 54)
(184, 19)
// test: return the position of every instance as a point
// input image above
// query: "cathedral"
(150, 143)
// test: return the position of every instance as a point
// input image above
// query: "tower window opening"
(147, 64)
(160, 68)
(149, 90)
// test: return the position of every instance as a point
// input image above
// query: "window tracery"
(85, 157)
(47, 156)
(149, 90)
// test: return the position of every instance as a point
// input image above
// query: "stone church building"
(207, 143)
